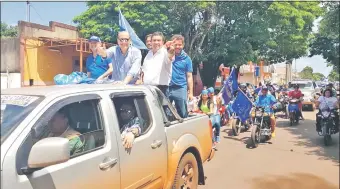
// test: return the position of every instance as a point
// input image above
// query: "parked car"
(170, 151)
(309, 89)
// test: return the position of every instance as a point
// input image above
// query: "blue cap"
(94, 39)
(204, 92)
(211, 90)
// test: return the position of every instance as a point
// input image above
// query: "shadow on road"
(293, 181)
(306, 136)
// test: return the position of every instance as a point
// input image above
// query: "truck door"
(95, 166)
(145, 164)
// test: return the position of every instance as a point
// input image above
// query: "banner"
(125, 26)
(230, 85)
(242, 106)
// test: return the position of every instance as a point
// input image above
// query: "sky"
(64, 12)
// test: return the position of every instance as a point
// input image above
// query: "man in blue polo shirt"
(97, 67)
(181, 79)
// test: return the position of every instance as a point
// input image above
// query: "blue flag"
(230, 85)
(242, 106)
(125, 26)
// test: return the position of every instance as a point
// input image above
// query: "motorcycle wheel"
(327, 140)
(291, 120)
(255, 136)
(236, 130)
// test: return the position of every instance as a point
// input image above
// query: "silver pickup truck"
(168, 153)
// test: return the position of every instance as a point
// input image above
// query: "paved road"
(296, 159)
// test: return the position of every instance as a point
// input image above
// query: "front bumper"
(212, 154)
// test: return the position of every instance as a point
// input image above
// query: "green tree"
(333, 76)
(326, 42)
(306, 73)
(318, 76)
(8, 31)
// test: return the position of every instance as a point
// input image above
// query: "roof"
(67, 89)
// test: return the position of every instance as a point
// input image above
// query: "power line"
(35, 10)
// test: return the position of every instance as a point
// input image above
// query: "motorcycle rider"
(245, 90)
(324, 102)
(297, 94)
(331, 87)
(267, 101)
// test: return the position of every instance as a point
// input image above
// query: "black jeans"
(336, 121)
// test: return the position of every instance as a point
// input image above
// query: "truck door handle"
(156, 144)
(108, 163)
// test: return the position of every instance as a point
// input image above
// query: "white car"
(309, 89)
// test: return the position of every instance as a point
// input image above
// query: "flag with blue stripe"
(125, 26)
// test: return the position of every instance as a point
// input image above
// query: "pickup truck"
(169, 152)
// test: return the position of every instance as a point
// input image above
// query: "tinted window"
(14, 109)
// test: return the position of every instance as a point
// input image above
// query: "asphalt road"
(295, 159)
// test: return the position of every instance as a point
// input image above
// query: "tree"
(217, 32)
(8, 31)
(318, 76)
(326, 42)
(307, 73)
(333, 76)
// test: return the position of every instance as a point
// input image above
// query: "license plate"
(266, 132)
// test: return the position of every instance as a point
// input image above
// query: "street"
(295, 159)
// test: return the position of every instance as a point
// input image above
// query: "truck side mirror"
(48, 151)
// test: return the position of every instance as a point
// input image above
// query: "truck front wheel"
(187, 173)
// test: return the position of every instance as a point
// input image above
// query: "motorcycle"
(236, 124)
(328, 126)
(293, 109)
(224, 115)
(261, 130)
(281, 105)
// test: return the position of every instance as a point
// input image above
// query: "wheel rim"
(187, 179)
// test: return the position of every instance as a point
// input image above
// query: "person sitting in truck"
(131, 124)
(60, 127)
(97, 67)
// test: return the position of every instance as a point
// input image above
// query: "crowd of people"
(166, 66)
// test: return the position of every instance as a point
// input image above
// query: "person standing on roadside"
(181, 79)
(157, 63)
(97, 67)
(126, 59)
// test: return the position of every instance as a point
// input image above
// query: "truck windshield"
(14, 109)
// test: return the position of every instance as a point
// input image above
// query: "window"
(132, 112)
(14, 109)
(165, 105)
(80, 122)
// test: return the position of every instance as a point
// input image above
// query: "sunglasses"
(124, 40)
(122, 110)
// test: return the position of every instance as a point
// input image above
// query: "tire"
(327, 140)
(291, 119)
(254, 136)
(234, 127)
(188, 160)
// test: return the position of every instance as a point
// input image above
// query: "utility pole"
(28, 19)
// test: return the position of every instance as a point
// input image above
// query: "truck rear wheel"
(187, 173)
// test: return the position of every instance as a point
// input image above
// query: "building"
(41, 52)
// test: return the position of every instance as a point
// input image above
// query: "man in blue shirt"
(97, 67)
(267, 101)
(181, 78)
(126, 59)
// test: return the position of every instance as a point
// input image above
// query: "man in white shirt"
(157, 63)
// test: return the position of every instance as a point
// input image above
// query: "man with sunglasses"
(126, 59)
(157, 63)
